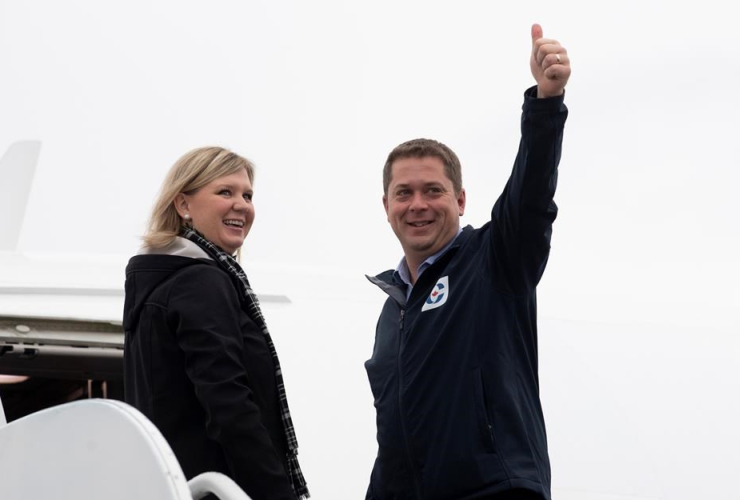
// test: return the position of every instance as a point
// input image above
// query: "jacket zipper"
(485, 412)
(400, 408)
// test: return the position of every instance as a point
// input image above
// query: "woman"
(199, 361)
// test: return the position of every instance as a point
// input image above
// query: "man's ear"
(461, 202)
(385, 205)
(181, 205)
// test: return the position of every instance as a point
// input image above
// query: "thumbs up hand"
(549, 63)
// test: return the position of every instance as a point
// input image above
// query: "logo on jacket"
(439, 295)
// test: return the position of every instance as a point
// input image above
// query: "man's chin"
(421, 246)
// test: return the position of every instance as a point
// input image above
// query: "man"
(454, 367)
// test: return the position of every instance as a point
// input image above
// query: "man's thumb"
(536, 32)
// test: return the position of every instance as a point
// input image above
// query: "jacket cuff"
(546, 104)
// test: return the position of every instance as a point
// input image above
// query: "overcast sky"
(317, 94)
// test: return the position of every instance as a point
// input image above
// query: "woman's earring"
(186, 216)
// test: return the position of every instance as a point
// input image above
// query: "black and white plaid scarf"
(249, 299)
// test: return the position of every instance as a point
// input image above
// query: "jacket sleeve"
(205, 314)
(521, 219)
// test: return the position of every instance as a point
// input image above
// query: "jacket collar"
(394, 288)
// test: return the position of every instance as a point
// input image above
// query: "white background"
(638, 307)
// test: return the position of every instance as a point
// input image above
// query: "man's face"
(422, 207)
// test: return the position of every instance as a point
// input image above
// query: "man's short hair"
(420, 148)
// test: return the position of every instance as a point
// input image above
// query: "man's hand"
(549, 63)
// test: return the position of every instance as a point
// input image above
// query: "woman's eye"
(248, 196)
(224, 192)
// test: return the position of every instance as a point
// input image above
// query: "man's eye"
(403, 192)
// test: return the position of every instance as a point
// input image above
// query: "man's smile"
(420, 223)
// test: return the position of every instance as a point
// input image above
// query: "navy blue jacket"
(455, 382)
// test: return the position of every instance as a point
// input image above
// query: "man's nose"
(418, 202)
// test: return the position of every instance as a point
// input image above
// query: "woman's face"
(222, 211)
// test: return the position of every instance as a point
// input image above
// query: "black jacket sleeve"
(521, 219)
(205, 314)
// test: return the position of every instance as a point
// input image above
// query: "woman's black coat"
(200, 369)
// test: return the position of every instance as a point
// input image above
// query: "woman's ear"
(182, 206)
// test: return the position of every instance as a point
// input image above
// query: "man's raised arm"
(523, 215)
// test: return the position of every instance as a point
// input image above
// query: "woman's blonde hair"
(191, 172)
